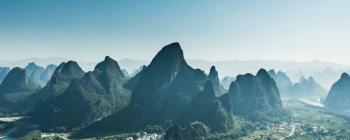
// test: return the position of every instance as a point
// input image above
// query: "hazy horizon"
(175, 70)
(299, 30)
(325, 73)
(148, 60)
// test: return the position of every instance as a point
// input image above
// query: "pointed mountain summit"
(307, 88)
(32, 67)
(262, 73)
(165, 66)
(34, 73)
(339, 95)
(164, 90)
(110, 66)
(169, 80)
(344, 76)
(17, 81)
(40, 103)
(168, 69)
(170, 56)
(213, 75)
(51, 67)
(214, 78)
(283, 82)
(94, 96)
(258, 94)
(62, 77)
(304, 88)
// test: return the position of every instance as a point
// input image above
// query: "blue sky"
(88, 30)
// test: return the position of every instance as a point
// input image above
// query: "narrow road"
(291, 133)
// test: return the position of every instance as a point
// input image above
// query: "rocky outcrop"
(88, 99)
(339, 95)
(214, 78)
(253, 95)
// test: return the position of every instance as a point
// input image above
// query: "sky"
(88, 30)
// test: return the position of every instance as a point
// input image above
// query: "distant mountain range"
(323, 72)
(83, 99)
(170, 90)
(19, 83)
(304, 88)
(162, 97)
(39, 74)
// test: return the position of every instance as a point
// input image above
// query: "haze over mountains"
(174, 70)
(323, 72)
(167, 97)
(169, 91)
(304, 88)
(3, 72)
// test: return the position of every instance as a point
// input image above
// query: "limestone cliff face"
(339, 95)
(90, 98)
(41, 103)
(164, 90)
(250, 95)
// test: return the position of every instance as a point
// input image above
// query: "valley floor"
(310, 121)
